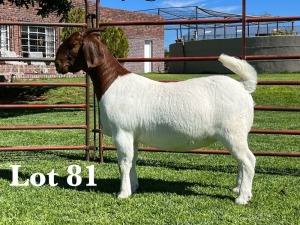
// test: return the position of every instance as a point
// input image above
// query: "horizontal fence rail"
(201, 21)
(42, 106)
(20, 23)
(43, 148)
(283, 132)
(15, 84)
(43, 127)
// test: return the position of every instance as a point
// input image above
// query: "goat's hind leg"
(248, 171)
(238, 147)
(133, 175)
(246, 161)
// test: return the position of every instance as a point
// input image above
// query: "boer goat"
(177, 116)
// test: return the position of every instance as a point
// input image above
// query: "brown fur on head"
(84, 51)
(81, 51)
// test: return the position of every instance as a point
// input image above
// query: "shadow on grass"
(7, 113)
(111, 185)
(26, 95)
(152, 163)
(179, 187)
(80, 155)
(214, 168)
(182, 166)
(9, 95)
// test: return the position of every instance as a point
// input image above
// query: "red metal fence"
(85, 85)
(85, 105)
(243, 55)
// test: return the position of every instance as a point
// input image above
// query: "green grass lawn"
(174, 188)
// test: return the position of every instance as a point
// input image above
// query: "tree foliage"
(76, 15)
(115, 40)
(114, 37)
(61, 7)
(284, 32)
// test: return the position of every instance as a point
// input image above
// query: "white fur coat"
(175, 116)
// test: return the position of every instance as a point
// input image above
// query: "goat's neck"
(105, 74)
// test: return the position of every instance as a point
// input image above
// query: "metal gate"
(243, 55)
(85, 105)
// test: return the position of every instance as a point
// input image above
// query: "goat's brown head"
(84, 51)
(81, 51)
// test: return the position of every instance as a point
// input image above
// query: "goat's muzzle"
(60, 68)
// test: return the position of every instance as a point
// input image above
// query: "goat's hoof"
(241, 201)
(123, 195)
(236, 190)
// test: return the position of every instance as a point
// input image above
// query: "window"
(38, 39)
(4, 38)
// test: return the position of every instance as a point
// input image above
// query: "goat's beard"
(67, 68)
(73, 69)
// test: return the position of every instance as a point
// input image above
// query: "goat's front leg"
(237, 187)
(125, 151)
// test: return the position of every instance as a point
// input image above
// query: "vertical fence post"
(101, 144)
(244, 30)
(87, 99)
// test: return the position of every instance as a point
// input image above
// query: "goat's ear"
(92, 51)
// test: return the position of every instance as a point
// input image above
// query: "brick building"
(144, 41)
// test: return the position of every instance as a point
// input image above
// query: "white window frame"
(4, 38)
(38, 39)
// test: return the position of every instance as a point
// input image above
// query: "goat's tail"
(243, 69)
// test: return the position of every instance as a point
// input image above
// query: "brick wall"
(9, 12)
(136, 35)
(137, 50)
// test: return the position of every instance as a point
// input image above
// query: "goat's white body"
(181, 116)
(175, 116)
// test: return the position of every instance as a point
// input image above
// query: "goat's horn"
(93, 30)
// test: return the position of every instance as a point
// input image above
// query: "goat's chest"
(117, 111)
